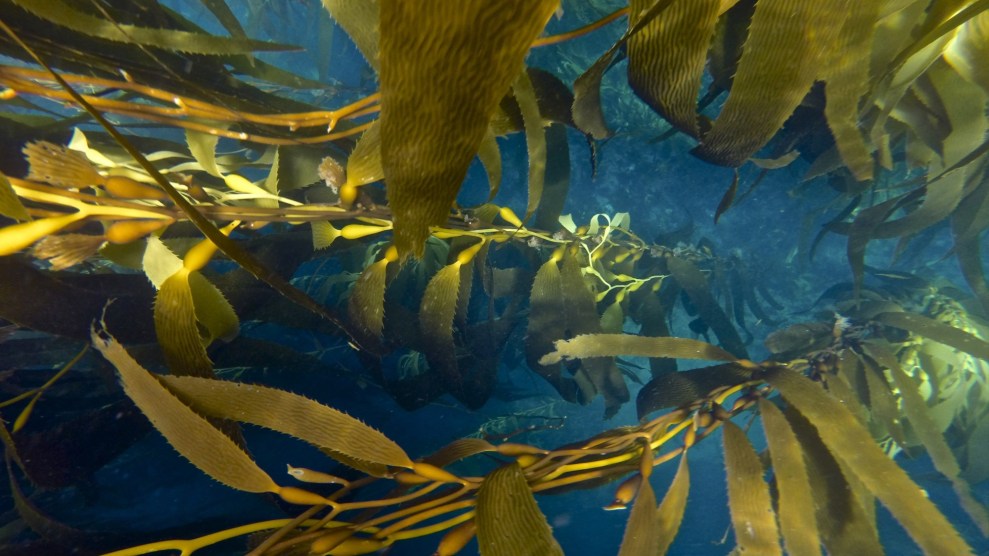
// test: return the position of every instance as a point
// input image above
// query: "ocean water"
(147, 491)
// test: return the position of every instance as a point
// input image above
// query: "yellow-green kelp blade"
(509, 522)
(851, 443)
(290, 414)
(669, 516)
(188, 432)
(641, 534)
(445, 66)
(613, 345)
(752, 515)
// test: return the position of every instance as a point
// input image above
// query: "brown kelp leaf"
(847, 80)
(882, 403)
(535, 139)
(587, 114)
(675, 389)
(509, 522)
(443, 73)
(796, 504)
(557, 180)
(360, 21)
(779, 63)
(366, 304)
(10, 205)
(613, 345)
(666, 58)
(845, 526)
(458, 450)
(670, 512)
(861, 232)
(728, 198)
(940, 200)
(853, 445)
(915, 408)
(290, 414)
(192, 435)
(489, 154)
(60, 13)
(641, 534)
(548, 323)
(436, 312)
(752, 515)
(693, 281)
(937, 331)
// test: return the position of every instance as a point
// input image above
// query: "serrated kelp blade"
(779, 63)
(535, 139)
(853, 445)
(845, 526)
(545, 327)
(941, 198)
(666, 58)
(969, 49)
(641, 534)
(192, 435)
(364, 162)
(360, 21)
(291, 414)
(669, 515)
(366, 304)
(212, 308)
(509, 522)
(177, 330)
(60, 13)
(847, 80)
(436, 312)
(10, 205)
(795, 500)
(202, 145)
(752, 515)
(613, 345)
(915, 408)
(458, 450)
(937, 331)
(443, 73)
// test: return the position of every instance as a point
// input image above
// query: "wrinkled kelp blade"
(193, 436)
(779, 63)
(63, 14)
(443, 73)
(366, 304)
(613, 345)
(364, 162)
(795, 501)
(290, 414)
(915, 408)
(850, 442)
(641, 534)
(666, 58)
(670, 512)
(509, 522)
(752, 515)
(213, 310)
(175, 325)
(436, 312)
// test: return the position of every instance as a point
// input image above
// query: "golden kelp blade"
(290, 414)
(670, 512)
(436, 312)
(10, 205)
(613, 345)
(780, 61)
(641, 534)
(752, 515)
(849, 442)
(666, 58)
(444, 69)
(535, 139)
(509, 522)
(795, 499)
(193, 436)
(366, 304)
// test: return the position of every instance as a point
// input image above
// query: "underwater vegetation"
(166, 191)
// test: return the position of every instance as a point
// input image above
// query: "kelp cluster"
(129, 235)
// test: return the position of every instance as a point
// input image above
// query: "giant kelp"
(891, 371)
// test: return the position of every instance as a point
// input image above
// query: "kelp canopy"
(191, 234)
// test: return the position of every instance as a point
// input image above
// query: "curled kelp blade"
(795, 501)
(613, 345)
(443, 73)
(752, 515)
(192, 435)
(850, 443)
(535, 139)
(508, 519)
(290, 414)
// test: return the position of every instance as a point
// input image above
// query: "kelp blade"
(509, 522)
(670, 512)
(641, 534)
(443, 73)
(613, 345)
(752, 515)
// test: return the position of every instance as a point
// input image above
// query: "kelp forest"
(395, 277)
